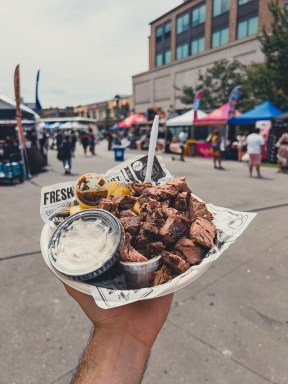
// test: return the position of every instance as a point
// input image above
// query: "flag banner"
(37, 102)
(19, 120)
(196, 104)
(232, 101)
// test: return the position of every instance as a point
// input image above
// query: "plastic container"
(78, 269)
(119, 152)
(140, 274)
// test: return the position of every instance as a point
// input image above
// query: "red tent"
(134, 119)
(216, 117)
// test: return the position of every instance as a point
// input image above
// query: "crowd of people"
(246, 147)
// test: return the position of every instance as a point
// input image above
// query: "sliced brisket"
(175, 262)
(162, 276)
(202, 231)
(128, 253)
(188, 250)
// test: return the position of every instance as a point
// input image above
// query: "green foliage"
(275, 48)
(217, 83)
(259, 81)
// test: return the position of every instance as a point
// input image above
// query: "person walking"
(241, 145)
(110, 141)
(59, 139)
(255, 142)
(282, 154)
(73, 139)
(66, 154)
(92, 142)
(182, 141)
(216, 150)
(85, 142)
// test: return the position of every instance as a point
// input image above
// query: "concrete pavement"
(229, 326)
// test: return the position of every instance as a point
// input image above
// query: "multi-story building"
(57, 112)
(189, 39)
(106, 113)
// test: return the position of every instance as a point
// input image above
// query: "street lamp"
(116, 101)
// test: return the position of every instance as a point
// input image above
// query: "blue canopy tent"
(264, 111)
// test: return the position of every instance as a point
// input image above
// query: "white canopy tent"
(185, 120)
(73, 125)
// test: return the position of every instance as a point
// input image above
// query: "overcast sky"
(86, 50)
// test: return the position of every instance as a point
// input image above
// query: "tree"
(217, 83)
(275, 48)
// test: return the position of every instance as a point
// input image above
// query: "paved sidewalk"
(230, 326)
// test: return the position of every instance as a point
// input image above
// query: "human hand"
(141, 320)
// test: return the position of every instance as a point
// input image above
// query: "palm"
(142, 320)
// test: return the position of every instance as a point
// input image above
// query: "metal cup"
(140, 274)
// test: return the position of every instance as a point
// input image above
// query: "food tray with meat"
(169, 236)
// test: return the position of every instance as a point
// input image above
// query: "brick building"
(189, 39)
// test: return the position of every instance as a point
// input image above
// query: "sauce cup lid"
(75, 264)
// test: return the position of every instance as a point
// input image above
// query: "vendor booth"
(264, 111)
(257, 116)
(184, 121)
(10, 155)
(215, 119)
(279, 126)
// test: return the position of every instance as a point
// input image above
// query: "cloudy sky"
(86, 50)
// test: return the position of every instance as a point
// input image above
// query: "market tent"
(8, 110)
(184, 120)
(264, 111)
(67, 125)
(134, 119)
(281, 119)
(55, 126)
(77, 125)
(216, 117)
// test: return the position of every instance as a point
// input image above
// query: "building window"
(167, 57)
(241, 2)
(220, 37)
(197, 45)
(167, 27)
(183, 23)
(220, 6)
(198, 15)
(182, 51)
(247, 28)
(159, 32)
(159, 59)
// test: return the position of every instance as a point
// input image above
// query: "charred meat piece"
(128, 253)
(148, 207)
(197, 209)
(160, 193)
(142, 239)
(202, 231)
(124, 202)
(180, 184)
(188, 250)
(131, 224)
(127, 213)
(172, 212)
(152, 215)
(150, 228)
(172, 230)
(182, 201)
(156, 248)
(175, 262)
(136, 189)
(110, 206)
(162, 276)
